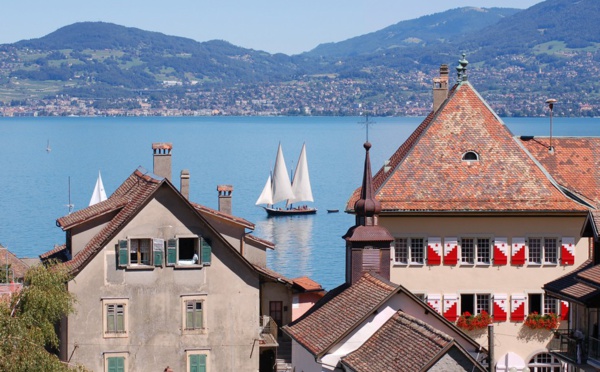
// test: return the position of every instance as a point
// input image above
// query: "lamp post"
(550, 102)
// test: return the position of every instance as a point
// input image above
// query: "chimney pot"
(440, 88)
(225, 192)
(185, 183)
(162, 159)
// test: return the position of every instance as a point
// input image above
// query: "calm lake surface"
(34, 186)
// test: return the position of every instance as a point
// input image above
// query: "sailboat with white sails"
(279, 188)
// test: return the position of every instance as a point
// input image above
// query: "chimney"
(440, 88)
(185, 183)
(162, 159)
(225, 198)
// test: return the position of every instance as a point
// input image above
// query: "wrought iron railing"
(570, 346)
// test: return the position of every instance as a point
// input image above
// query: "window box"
(538, 321)
(474, 322)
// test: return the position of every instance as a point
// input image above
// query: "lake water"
(34, 185)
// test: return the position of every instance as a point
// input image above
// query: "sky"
(274, 26)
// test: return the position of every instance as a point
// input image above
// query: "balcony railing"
(268, 326)
(573, 349)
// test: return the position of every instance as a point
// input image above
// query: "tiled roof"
(568, 287)
(264, 242)
(427, 172)
(273, 275)
(213, 212)
(135, 191)
(340, 311)
(50, 253)
(307, 284)
(590, 276)
(403, 343)
(17, 267)
(574, 164)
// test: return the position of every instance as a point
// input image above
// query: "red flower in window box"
(537, 321)
(474, 322)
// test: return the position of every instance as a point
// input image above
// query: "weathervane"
(550, 102)
(366, 123)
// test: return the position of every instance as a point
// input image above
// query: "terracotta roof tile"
(307, 284)
(403, 343)
(339, 312)
(258, 240)
(575, 163)
(428, 174)
(213, 212)
(17, 266)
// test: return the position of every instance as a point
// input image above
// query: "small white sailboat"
(48, 148)
(99, 194)
(279, 187)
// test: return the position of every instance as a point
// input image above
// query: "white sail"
(99, 194)
(282, 187)
(301, 183)
(266, 196)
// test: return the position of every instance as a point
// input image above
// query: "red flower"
(536, 321)
(473, 322)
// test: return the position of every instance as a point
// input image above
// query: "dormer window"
(470, 156)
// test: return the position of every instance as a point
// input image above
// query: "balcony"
(571, 349)
(268, 332)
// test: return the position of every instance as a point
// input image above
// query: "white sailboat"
(279, 187)
(99, 194)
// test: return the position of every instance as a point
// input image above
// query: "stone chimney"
(185, 183)
(162, 159)
(225, 198)
(440, 88)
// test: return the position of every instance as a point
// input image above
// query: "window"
(115, 362)
(544, 362)
(470, 156)
(114, 314)
(193, 314)
(197, 360)
(409, 250)
(475, 250)
(542, 304)
(188, 251)
(543, 250)
(141, 252)
(475, 303)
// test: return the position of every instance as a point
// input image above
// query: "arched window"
(544, 362)
(470, 156)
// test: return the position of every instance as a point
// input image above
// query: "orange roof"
(427, 172)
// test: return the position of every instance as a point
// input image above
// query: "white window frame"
(477, 250)
(543, 260)
(535, 365)
(477, 298)
(184, 301)
(545, 303)
(410, 251)
(115, 301)
(197, 352)
(116, 355)
(196, 258)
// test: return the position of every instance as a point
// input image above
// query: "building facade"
(482, 219)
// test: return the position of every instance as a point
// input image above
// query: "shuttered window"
(115, 364)
(115, 318)
(193, 314)
(197, 363)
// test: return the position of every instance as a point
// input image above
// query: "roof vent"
(470, 156)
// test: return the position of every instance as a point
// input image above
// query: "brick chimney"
(185, 183)
(162, 159)
(225, 198)
(440, 88)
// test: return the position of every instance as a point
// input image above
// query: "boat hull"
(289, 212)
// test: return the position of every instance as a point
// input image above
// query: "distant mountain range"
(517, 58)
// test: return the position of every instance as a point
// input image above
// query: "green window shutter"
(120, 318)
(198, 363)
(110, 318)
(123, 253)
(171, 251)
(158, 247)
(116, 364)
(206, 251)
(189, 315)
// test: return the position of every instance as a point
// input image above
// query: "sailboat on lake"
(279, 188)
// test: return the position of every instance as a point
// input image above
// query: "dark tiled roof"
(569, 288)
(590, 276)
(403, 343)
(52, 252)
(575, 163)
(272, 275)
(428, 174)
(368, 234)
(338, 312)
(264, 242)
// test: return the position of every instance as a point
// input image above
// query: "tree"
(28, 319)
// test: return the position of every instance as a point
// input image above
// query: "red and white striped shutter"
(500, 251)
(517, 307)
(434, 251)
(451, 307)
(435, 302)
(450, 251)
(518, 251)
(564, 310)
(500, 307)
(567, 251)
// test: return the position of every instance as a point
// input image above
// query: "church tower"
(367, 243)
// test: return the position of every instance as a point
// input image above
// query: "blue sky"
(289, 27)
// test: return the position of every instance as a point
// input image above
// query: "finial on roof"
(461, 69)
(367, 205)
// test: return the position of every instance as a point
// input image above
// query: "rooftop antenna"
(550, 102)
(71, 206)
(366, 123)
